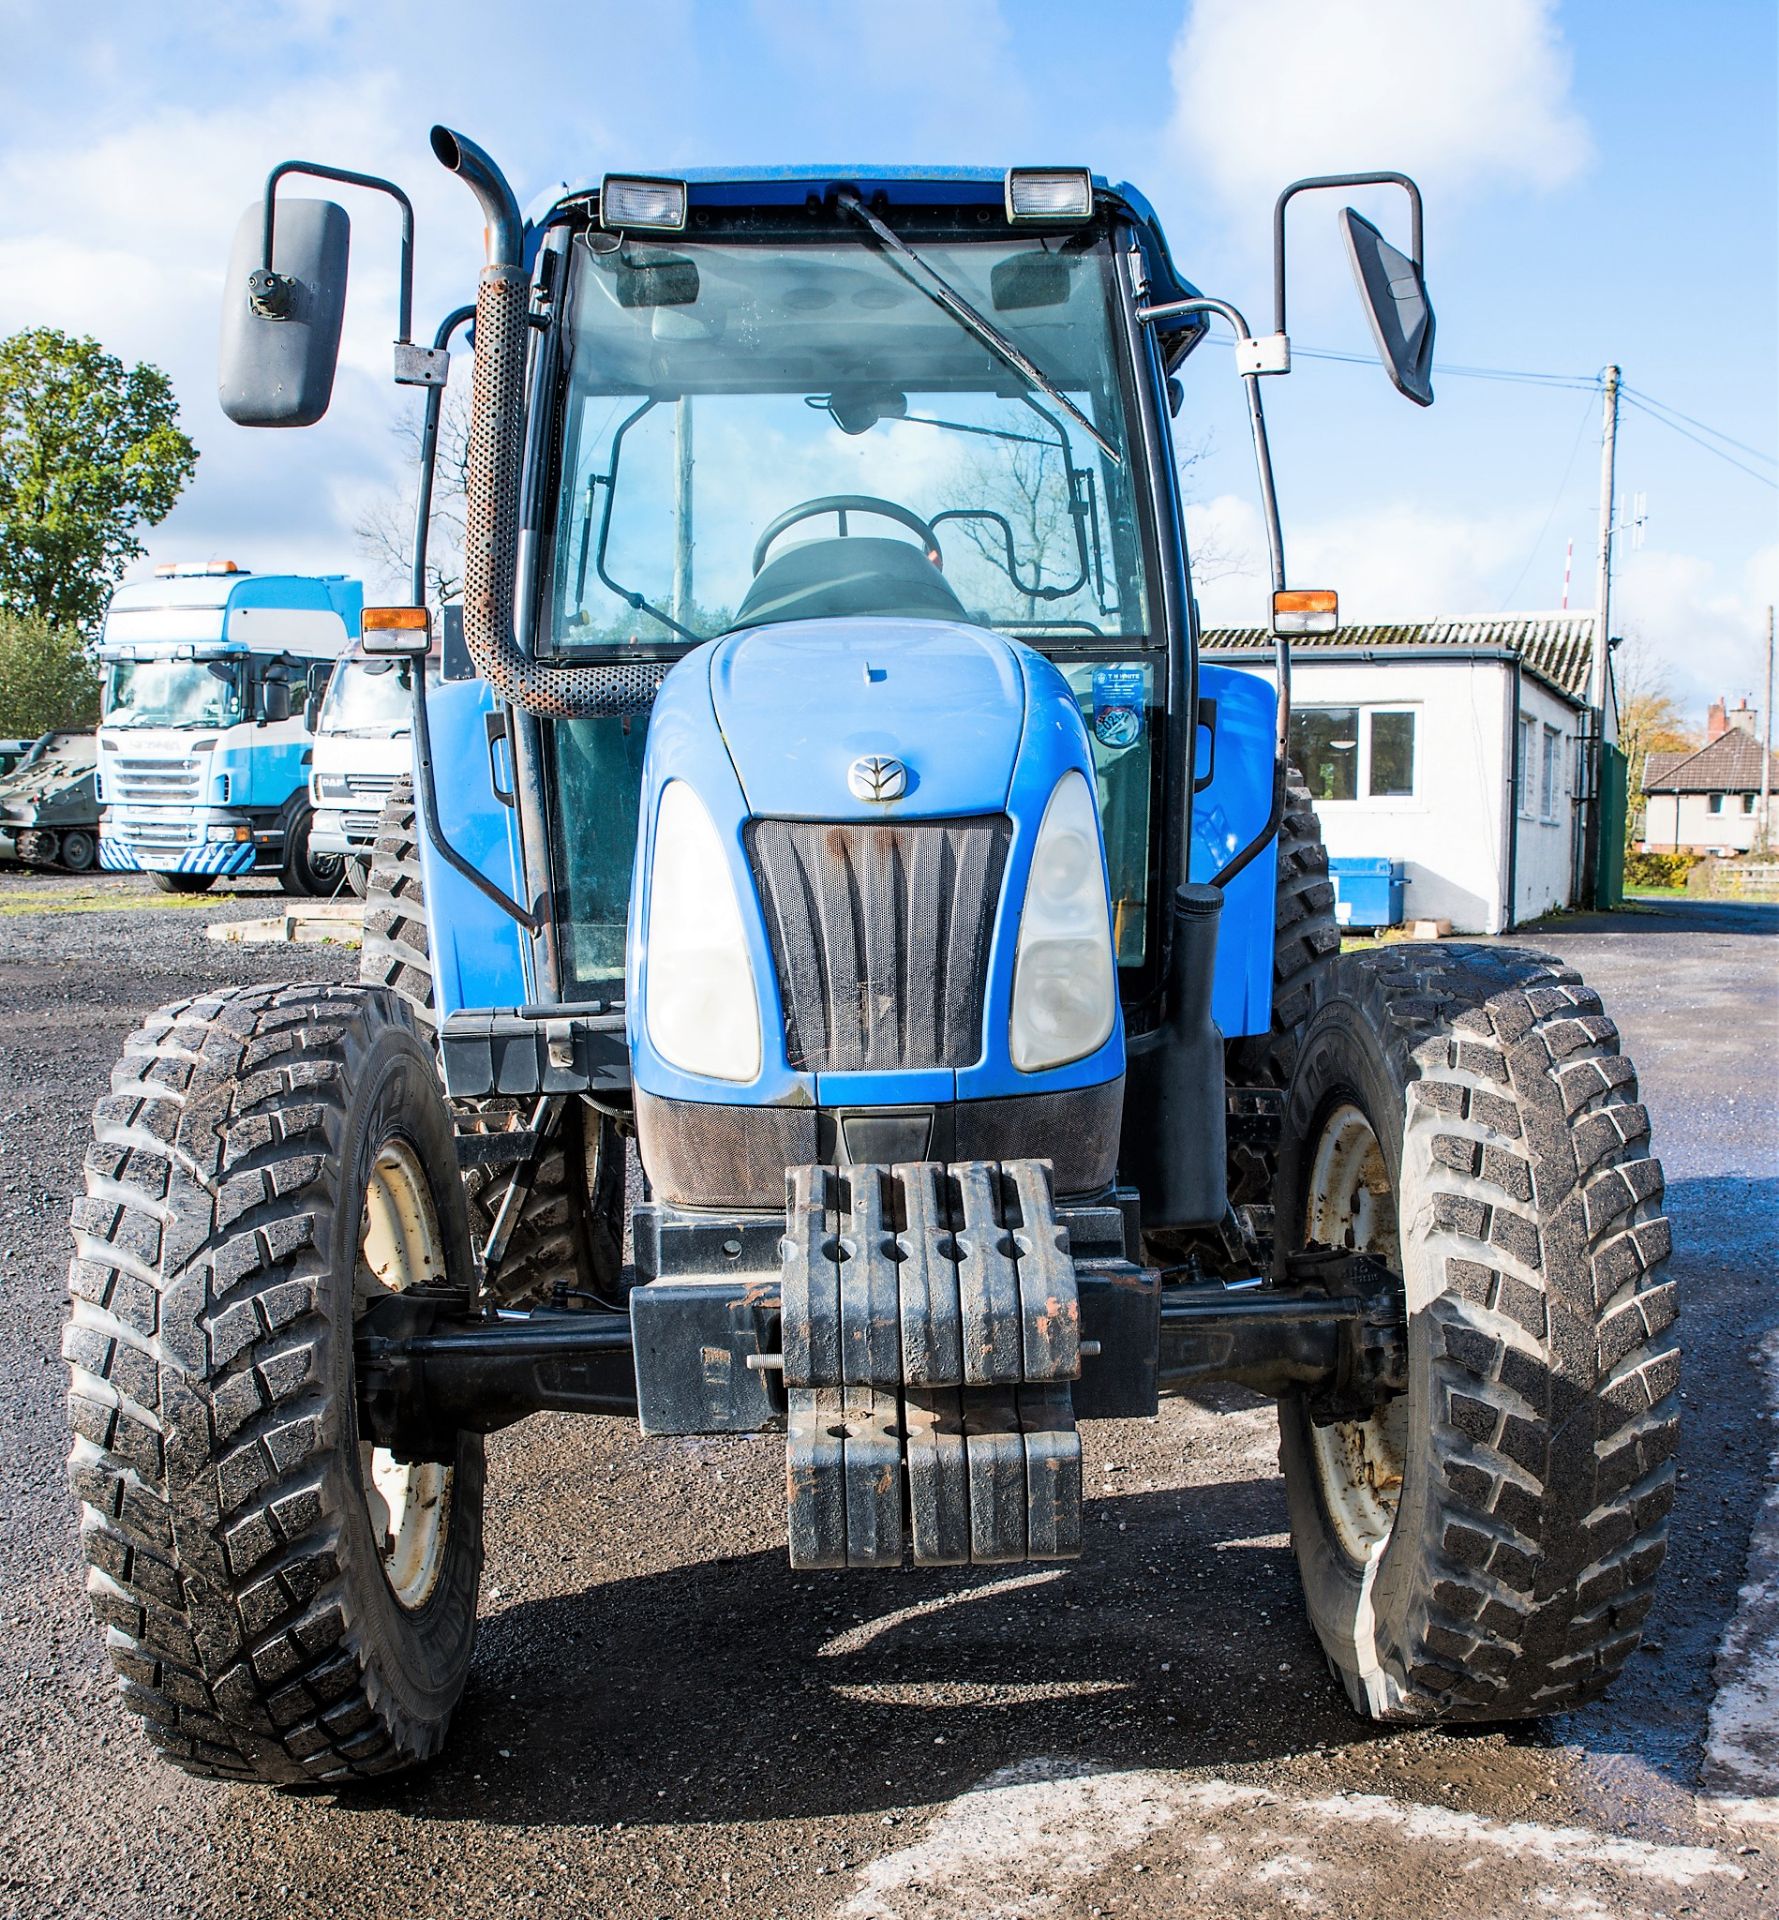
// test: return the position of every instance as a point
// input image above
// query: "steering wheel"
(843, 504)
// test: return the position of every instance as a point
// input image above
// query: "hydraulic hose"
(496, 459)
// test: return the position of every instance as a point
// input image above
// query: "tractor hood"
(800, 704)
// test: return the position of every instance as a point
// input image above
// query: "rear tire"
(569, 1233)
(358, 873)
(1485, 1547)
(183, 882)
(281, 1601)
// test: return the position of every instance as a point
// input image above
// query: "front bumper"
(343, 833)
(705, 1154)
(119, 853)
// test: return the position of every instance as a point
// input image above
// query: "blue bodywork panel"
(1009, 759)
(1225, 817)
(798, 703)
(480, 955)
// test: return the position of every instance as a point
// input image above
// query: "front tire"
(182, 882)
(1485, 1546)
(281, 1601)
(305, 873)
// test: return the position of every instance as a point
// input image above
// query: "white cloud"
(1454, 92)
(1706, 632)
(1398, 561)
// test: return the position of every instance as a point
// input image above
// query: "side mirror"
(274, 700)
(1395, 297)
(281, 329)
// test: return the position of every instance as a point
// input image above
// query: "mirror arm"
(1252, 373)
(1313, 184)
(426, 797)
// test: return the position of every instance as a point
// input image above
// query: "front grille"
(148, 783)
(880, 934)
(369, 786)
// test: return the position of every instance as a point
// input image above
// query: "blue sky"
(1600, 182)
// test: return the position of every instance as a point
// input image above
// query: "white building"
(1707, 800)
(1451, 746)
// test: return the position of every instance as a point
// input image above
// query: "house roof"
(1556, 648)
(1729, 764)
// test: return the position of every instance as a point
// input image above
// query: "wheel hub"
(1352, 1205)
(400, 1247)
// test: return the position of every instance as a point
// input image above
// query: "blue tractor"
(844, 969)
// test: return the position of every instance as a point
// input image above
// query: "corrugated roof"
(1556, 648)
(1730, 764)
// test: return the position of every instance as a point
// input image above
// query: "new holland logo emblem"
(875, 777)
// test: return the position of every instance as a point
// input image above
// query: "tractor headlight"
(699, 1000)
(1065, 987)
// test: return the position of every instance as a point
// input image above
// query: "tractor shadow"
(735, 1689)
(741, 1690)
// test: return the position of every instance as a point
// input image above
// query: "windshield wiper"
(943, 294)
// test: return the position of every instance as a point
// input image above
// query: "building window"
(1391, 772)
(1714, 803)
(1325, 747)
(1524, 773)
(1348, 752)
(1547, 783)
(1748, 803)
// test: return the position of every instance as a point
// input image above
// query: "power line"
(1766, 480)
(1587, 413)
(1741, 446)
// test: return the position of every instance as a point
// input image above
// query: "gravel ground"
(663, 1719)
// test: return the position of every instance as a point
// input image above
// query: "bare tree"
(385, 531)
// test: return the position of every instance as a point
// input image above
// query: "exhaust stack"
(496, 454)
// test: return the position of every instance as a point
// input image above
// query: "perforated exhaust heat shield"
(496, 456)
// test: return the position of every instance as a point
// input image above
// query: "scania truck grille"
(151, 783)
(880, 935)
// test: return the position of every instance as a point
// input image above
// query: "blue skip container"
(1367, 892)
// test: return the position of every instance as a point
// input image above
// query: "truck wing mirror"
(1395, 297)
(281, 325)
(274, 700)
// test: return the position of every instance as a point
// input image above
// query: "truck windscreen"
(172, 693)
(739, 416)
(371, 697)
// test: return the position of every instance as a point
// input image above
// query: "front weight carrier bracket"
(931, 1333)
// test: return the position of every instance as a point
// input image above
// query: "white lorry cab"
(363, 743)
(213, 676)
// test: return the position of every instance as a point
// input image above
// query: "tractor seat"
(826, 579)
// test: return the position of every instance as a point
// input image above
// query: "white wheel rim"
(1352, 1205)
(399, 1246)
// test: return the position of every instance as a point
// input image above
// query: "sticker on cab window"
(1118, 705)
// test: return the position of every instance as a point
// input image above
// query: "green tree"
(47, 678)
(89, 451)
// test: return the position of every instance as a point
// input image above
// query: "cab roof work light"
(1055, 196)
(633, 200)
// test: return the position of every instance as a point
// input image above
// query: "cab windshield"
(172, 693)
(781, 429)
(372, 697)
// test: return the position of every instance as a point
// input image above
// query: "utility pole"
(1605, 728)
(1764, 838)
(1600, 678)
